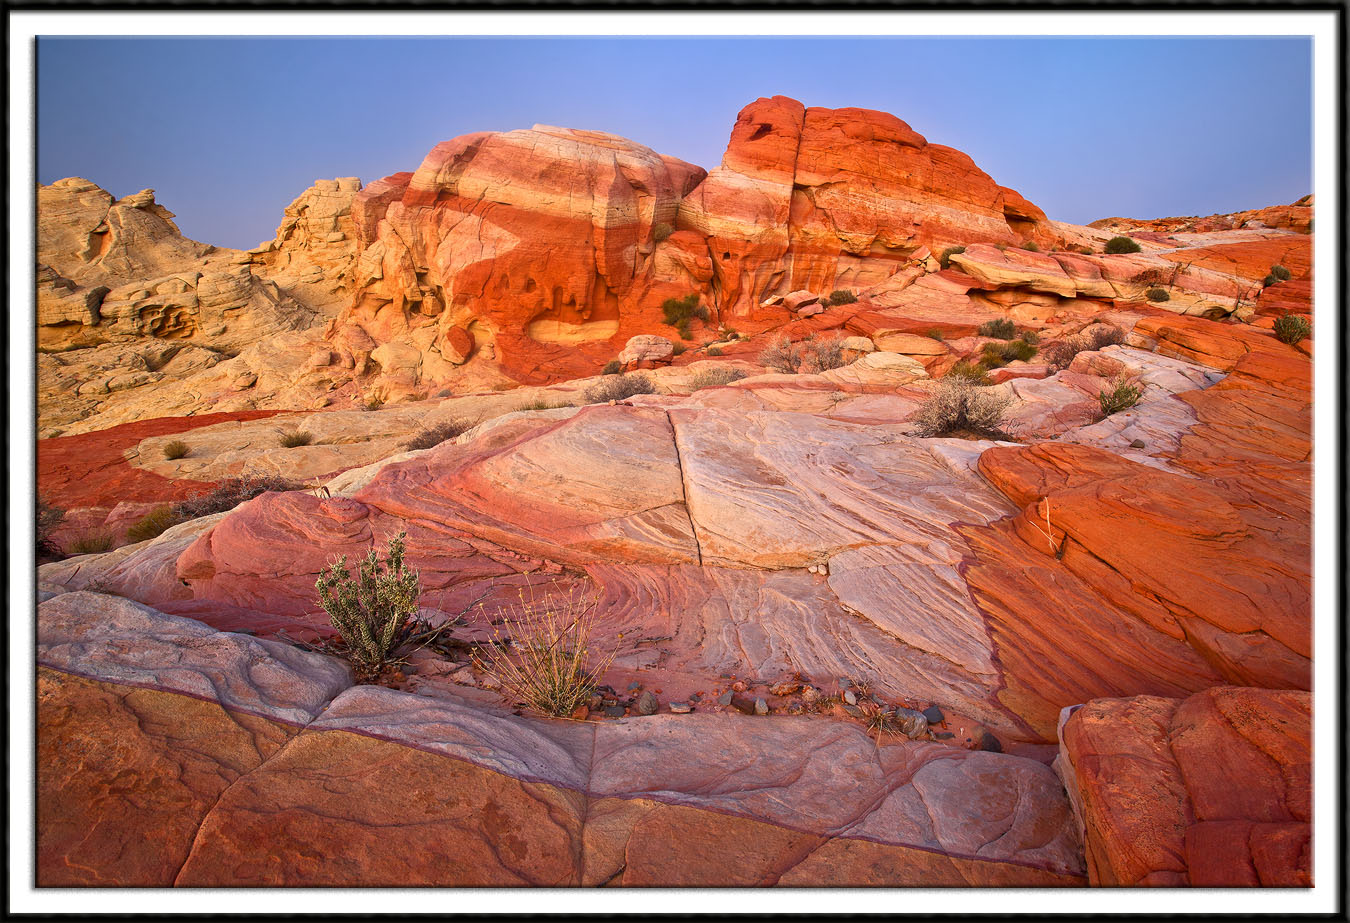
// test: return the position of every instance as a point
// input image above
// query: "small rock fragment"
(614, 711)
(761, 707)
(1137, 444)
(681, 708)
(810, 694)
(580, 713)
(849, 697)
(738, 686)
(743, 704)
(725, 698)
(933, 714)
(647, 703)
(853, 711)
(910, 722)
(990, 742)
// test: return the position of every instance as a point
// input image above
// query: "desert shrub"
(1122, 245)
(543, 658)
(945, 259)
(1031, 245)
(970, 371)
(436, 434)
(711, 378)
(373, 403)
(676, 349)
(935, 334)
(991, 356)
(1031, 336)
(1086, 251)
(730, 334)
(1157, 294)
(612, 367)
(1020, 350)
(176, 449)
(295, 438)
(618, 388)
(1002, 328)
(1268, 281)
(685, 329)
(92, 543)
(1101, 336)
(152, 524)
(542, 404)
(661, 231)
(230, 493)
(781, 355)
(1281, 273)
(842, 296)
(1292, 328)
(47, 519)
(374, 612)
(957, 405)
(821, 355)
(714, 350)
(679, 310)
(1124, 393)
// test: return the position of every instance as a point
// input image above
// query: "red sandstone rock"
(1209, 791)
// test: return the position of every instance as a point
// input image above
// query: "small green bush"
(1281, 273)
(176, 449)
(1292, 328)
(842, 296)
(373, 403)
(1021, 349)
(935, 334)
(959, 405)
(618, 388)
(661, 231)
(1157, 294)
(676, 311)
(970, 371)
(295, 438)
(1031, 245)
(375, 612)
(1031, 336)
(92, 543)
(711, 378)
(678, 349)
(438, 433)
(945, 260)
(1003, 329)
(1123, 394)
(1122, 245)
(685, 330)
(152, 524)
(1269, 280)
(714, 350)
(612, 367)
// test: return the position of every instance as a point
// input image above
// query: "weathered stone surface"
(1211, 791)
(118, 640)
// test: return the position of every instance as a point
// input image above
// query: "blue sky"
(229, 131)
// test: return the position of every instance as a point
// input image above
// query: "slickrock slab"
(140, 785)
(1213, 790)
(116, 640)
(126, 775)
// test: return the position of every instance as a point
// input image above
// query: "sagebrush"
(959, 405)
(295, 438)
(437, 433)
(781, 355)
(618, 388)
(842, 296)
(1292, 328)
(176, 449)
(711, 378)
(152, 524)
(1122, 245)
(1002, 329)
(1124, 393)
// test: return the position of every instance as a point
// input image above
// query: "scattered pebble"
(761, 707)
(853, 711)
(614, 711)
(738, 686)
(581, 712)
(849, 697)
(1137, 444)
(990, 742)
(724, 698)
(810, 694)
(634, 685)
(933, 714)
(681, 708)
(647, 703)
(943, 735)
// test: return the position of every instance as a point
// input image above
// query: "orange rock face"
(1213, 790)
(849, 193)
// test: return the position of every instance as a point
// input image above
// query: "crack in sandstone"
(684, 487)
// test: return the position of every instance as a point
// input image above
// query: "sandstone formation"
(1213, 790)
(771, 557)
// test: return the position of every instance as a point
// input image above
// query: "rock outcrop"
(1212, 791)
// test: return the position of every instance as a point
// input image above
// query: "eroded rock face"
(1213, 790)
(849, 193)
